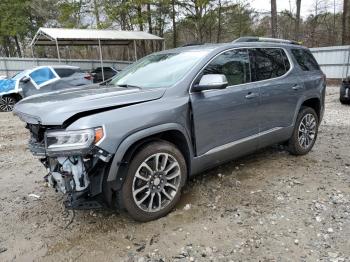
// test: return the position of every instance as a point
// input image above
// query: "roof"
(64, 36)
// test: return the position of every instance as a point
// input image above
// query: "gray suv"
(133, 142)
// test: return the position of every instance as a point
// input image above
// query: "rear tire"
(155, 177)
(304, 133)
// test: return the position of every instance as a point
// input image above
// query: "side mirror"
(25, 79)
(211, 81)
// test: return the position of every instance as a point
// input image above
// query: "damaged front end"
(76, 165)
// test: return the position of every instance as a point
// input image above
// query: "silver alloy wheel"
(7, 104)
(156, 182)
(307, 131)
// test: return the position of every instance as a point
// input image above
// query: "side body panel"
(223, 116)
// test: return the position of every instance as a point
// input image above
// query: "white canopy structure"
(80, 37)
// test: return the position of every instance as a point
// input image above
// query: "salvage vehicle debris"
(34, 195)
(133, 142)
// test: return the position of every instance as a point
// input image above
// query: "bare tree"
(149, 20)
(173, 18)
(273, 18)
(345, 22)
(219, 22)
(96, 13)
(297, 21)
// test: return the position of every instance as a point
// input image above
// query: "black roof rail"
(264, 39)
(192, 44)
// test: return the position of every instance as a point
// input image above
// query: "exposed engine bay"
(76, 173)
(68, 174)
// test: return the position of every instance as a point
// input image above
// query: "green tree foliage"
(70, 14)
(178, 21)
(19, 20)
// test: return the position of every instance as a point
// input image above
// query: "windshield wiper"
(129, 86)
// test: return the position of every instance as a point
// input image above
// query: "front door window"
(42, 76)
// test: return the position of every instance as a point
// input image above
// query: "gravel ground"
(269, 206)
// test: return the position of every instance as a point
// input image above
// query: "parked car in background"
(134, 142)
(40, 80)
(108, 73)
(345, 91)
(10, 91)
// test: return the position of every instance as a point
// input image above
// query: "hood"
(57, 107)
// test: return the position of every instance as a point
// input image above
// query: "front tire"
(7, 103)
(155, 177)
(305, 132)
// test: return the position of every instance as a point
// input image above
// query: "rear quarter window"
(305, 60)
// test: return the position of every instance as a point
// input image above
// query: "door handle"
(296, 87)
(251, 95)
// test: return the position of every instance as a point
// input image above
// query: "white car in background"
(42, 79)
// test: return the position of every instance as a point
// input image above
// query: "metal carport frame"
(92, 37)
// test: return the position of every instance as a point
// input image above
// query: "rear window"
(97, 70)
(305, 59)
(108, 69)
(268, 63)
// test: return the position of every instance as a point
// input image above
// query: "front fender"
(135, 137)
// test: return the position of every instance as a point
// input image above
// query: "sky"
(307, 6)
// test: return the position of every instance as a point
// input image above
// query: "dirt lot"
(269, 206)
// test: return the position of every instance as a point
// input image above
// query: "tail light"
(89, 77)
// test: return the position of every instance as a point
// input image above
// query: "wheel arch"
(17, 96)
(314, 102)
(173, 133)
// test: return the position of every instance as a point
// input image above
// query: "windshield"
(158, 70)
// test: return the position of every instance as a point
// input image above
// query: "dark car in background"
(108, 73)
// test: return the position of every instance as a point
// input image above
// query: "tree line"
(179, 22)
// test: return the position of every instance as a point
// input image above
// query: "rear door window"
(267, 63)
(305, 59)
(234, 64)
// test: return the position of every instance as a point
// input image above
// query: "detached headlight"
(72, 140)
